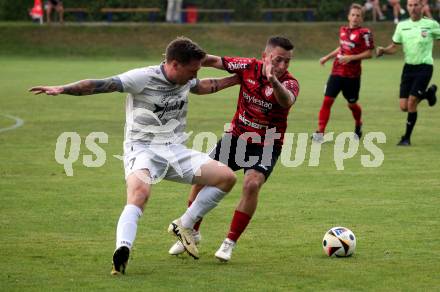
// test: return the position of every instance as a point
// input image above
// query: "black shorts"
(238, 154)
(415, 80)
(349, 86)
(55, 2)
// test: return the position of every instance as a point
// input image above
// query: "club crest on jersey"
(268, 91)
(424, 33)
(352, 37)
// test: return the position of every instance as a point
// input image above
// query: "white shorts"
(368, 6)
(171, 162)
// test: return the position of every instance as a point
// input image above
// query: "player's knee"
(412, 104)
(141, 191)
(251, 186)
(403, 105)
(228, 180)
(138, 194)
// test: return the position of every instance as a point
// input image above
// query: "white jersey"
(155, 107)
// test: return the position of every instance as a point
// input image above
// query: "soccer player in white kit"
(156, 108)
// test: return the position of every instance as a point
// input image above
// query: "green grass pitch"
(58, 232)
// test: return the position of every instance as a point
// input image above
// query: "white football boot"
(178, 247)
(185, 236)
(318, 137)
(224, 253)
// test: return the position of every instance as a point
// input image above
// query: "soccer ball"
(339, 242)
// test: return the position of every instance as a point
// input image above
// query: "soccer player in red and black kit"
(254, 141)
(356, 44)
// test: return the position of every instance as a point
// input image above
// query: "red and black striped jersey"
(352, 41)
(257, 108)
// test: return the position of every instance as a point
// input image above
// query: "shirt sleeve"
(368, 40)
(236, 64)
(397, 36)
(293, 86)
(134, 81)
(193, 82)
(435, 30)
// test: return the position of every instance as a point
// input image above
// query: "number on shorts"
(132, 162)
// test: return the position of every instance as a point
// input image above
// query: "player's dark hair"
(184, 50)
(357, 6)
(279, 41)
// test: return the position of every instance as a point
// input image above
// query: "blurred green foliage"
(245, 10)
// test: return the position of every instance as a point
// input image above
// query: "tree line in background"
(245, 10)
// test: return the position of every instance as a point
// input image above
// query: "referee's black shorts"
(415, 80)
(238, 154)
(349, 86)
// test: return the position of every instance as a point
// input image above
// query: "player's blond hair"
(357, 6)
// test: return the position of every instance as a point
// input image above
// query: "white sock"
(207, 199)
(127, 226)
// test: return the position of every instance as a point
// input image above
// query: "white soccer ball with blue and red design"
(339, 242)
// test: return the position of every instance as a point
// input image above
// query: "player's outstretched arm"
(367, 54)
(391, 49)
(213, 61)
(329, 56)
(211, 85)
(83, 87)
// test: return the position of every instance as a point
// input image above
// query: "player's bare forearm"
(213, 61)
(211, 85)
(83, 87)
(284, 97)
(93, 86)
(333, 54)
(364, 55)
(329, 56)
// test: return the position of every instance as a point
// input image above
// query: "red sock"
(239, 223)
(356, 110)
(324, 113)
(197, 225)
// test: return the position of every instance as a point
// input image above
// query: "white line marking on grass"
(18, 123)
(120, 157)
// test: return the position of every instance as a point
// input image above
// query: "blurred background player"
(174, 11)
(356, 44)
(267, 93)
(58, 6)
(426, 10)
(156, 109)
(437, 6)
(376, 11)
(416, 35)
(36, 13)
(397, 9)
